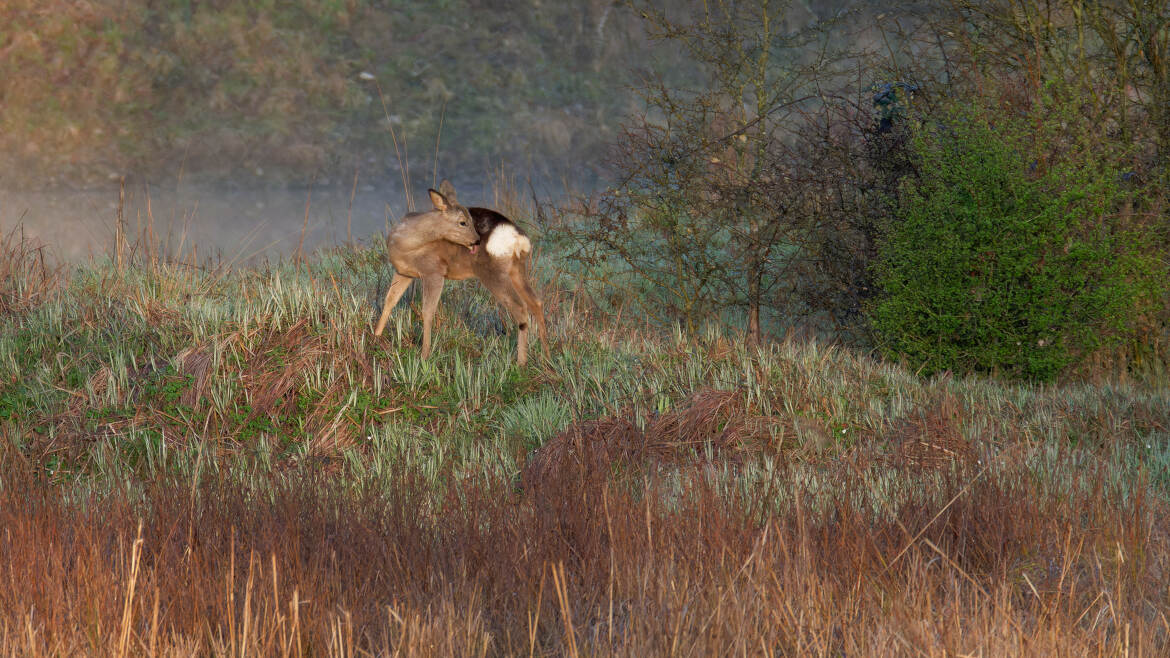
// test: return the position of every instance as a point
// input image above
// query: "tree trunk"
(754, 311)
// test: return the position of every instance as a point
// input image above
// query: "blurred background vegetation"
(274, 91)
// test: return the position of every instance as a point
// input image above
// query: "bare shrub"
(707, 221)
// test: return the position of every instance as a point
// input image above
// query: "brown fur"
(433, 247)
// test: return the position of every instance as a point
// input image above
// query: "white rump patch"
(505, 242)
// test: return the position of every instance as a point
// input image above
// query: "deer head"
(451, 221)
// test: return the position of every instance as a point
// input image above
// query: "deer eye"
(462, 223)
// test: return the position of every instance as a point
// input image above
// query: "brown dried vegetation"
(708, 424)
(577, 563)
(26, 277)
(931, 438)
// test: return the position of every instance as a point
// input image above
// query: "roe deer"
(443, 244)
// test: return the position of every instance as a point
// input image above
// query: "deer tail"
(507, 242)
(522, 247)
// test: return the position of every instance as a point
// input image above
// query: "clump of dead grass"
(708, 424)
(28, 277)
(931, 437)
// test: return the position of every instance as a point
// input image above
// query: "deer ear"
(438, 200)
(448, 190)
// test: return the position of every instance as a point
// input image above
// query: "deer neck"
(414, 232)
(417, 248)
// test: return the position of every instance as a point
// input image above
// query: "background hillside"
(263, 93)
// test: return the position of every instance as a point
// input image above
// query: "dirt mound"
(931, 438)
(707, 424)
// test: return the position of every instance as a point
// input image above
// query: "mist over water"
(227, 224)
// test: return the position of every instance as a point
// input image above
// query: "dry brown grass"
(577, 562)
(930, 438)
(709, 423)
(27, 274)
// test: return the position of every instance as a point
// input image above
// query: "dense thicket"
(1015, 250)
(1031, 238)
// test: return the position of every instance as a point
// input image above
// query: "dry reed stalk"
(119, 223)
(403, 163)
(562, 589)
(300, 253)
(438, 136)
(151, 245)
(128, 601)
(349, 212)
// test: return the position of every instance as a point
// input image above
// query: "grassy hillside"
(269, 92)
(199, 459)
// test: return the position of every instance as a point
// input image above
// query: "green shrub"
(1011, 253)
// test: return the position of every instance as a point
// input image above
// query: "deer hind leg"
(432, 289)
(398, 286)
(502, 289)
(519, 277)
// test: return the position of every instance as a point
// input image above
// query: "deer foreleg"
(398, 286)
(432, 289)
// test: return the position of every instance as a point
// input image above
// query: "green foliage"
(535, 419)
(1012, 252)
(14, 404)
